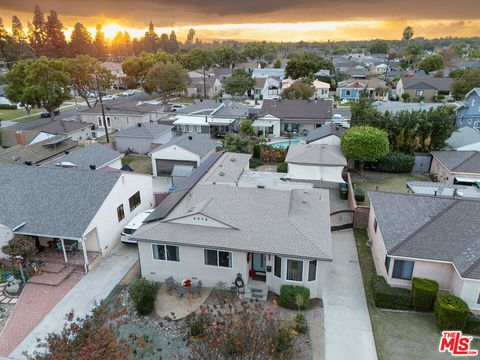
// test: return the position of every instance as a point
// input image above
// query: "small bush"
(256, 151)
(284, 340)
(254, 163)
(472, 327)
(388, 297)
(196, 328)
(8, 107)
(294, 297)
(451, 312)
(396, 162)
(424, 293)
(301, 325)
(282, 167)
(143, 294)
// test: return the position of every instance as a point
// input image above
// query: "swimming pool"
(284, 144)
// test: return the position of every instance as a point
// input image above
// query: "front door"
(259, 263)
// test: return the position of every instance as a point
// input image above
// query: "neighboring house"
(24, 133)
(91, 157)
(396, 106)
(246, 66)
(464, 139)
(327, 134)
(143, 138)
(352, 89)
(38, 153)
(322, 73)
(117, 72)
(357, 72)
(188, 149)
(322, 89)
(454, 167)
(430, 237)
(277, 117)
(121, 114)
(380, 69)
(441, 189)
(222, 73)
(195, 88)
(316, 163)
(213, 232)
(423, 88)
(266, 88)
(468, 114)
(268, 73)
(89, 207)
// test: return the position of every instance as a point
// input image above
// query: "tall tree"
(55, 44)
(190, 37)
(20, 48)
(466, 81)
(166, 79)
(99, 44)
(299, 90)
(37, 31)
(239, 83)
(6, 43)
(408, 33)
(199, 58)
(150, 39)
(173, 43)
(431, 63)
(164, 42)
(226, 56)
(306, 65)
(81, 41)
(137, 67)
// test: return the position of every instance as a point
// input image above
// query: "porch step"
(256, 293)
(53, 279)
(52, 268)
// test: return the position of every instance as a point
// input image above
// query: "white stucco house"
(318, 163)
(211, 229)
(72, 205)
(430, 237)
(266, 88)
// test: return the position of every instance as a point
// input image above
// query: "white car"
(133, 226)
(128, 93)
(337, 119)
(108, 97)
(176, 107)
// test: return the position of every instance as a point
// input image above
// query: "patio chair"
(180, 291)
(195, 289)
(171, 284)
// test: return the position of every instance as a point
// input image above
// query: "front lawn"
(139, 163)
(19, 113)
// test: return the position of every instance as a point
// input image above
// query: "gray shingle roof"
(51, 201)
(292, 223)
(430, 227)
(324, 131)
(63, 127)
(199, 144)
(216, 108)
(316, 154)
(124, 107)
(94, 154)
(441, 84)
(301, 110)
(459, 161)
(146, 130)
(462, 137)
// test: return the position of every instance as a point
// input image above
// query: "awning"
(263, 123)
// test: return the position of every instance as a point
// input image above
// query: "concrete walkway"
(348, 332)
(93, 287)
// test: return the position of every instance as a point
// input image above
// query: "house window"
(387, 263)
(165, 252)
(347, 93)
(375, 225)
(402, 269)
(295, 270)
(134, 200)
(218, 258)
(120, 213)
(478, 300)
(278, 267)
(312, 270)
(419, 93)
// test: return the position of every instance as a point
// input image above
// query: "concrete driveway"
(91, 289)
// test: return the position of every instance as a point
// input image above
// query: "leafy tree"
(254, 51)
(5, 41)
(246, 127)
(306, 64)
(37, 31)
(365, 143)
(412, 52)
(81, 41)
(166, 79)
(21, 50)
(277, 63)
(99, 44)
(239, 83)
(137, 67)
(406, 97)
(20, 245)
(42, 83)
(173, 46)
(341, 49)
(238, 144)
(56, 44)
(469, 79)
(226, 56)
(199, 58)
(299, 90)
(378, 47)
(164, 42)
(190, 37)
(150, 40)
(408, 33)
(121, 44)
(431, 63)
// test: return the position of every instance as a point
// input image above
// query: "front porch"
(55, 257)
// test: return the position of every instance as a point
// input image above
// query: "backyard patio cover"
(263, 123)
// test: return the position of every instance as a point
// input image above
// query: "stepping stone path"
(6, 298)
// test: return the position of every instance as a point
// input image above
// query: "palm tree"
(408, 33)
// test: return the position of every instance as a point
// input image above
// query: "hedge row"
(472, 327)
(451, 312)
(424, 293)
(388, 297)
(8, 107)
(396, 162)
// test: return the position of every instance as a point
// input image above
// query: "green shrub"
(254, 163)
(472, 327)
(300, 322)
(396, 162)
(8, 107)
(284, 340)
(282, 167)
(196, 328)
(424, 293)
(256, 151)
(143, 294)
(451, 312)
(294, 297)
(388, 297)
(406, 97)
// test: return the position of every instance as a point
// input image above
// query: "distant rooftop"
(95, 154)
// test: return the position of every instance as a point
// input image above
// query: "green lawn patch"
(139, 163)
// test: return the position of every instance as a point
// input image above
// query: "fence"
(360, 212)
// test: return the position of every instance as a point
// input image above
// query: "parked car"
(128, 93)
(108, 97)
(46, 114)
(133, 226)
(176, 107)
(337, 119)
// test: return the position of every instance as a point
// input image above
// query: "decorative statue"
(12, 285)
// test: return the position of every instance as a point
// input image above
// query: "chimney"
(66, 152)
(190, 137)
(20, 138)
(28, 162)
(93, 167)
(139, 124)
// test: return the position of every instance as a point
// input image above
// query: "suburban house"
(319, 164)
(117, 72)
(189, 149)
(212, 232)
(78, 208)
(121, 114)
(427, 236)
(268, 73)
(277, 117)
(266, 88)
(91, 157)
(143, 138)
(24, 133)
(352, 89)
(357, 72)
(465, 138)
(222, 73)
(456, 167)
(38, 153)
(195, 88)
(423, 88)
(468, 114)
(322, 89)
(322, 73)
(328, 134)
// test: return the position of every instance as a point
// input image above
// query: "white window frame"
(308, 271)
(419, 93)
(166, 253)
(286, 271)
(218, 259)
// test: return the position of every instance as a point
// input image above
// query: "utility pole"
(104, 120)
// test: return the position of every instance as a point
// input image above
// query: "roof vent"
(233, 159)
(221, 173)
(190, 137)
(304, 201)
(66, 152)
(15, 158)
(261, 186)
(139, 124)
(28, 163)
(93, 167)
